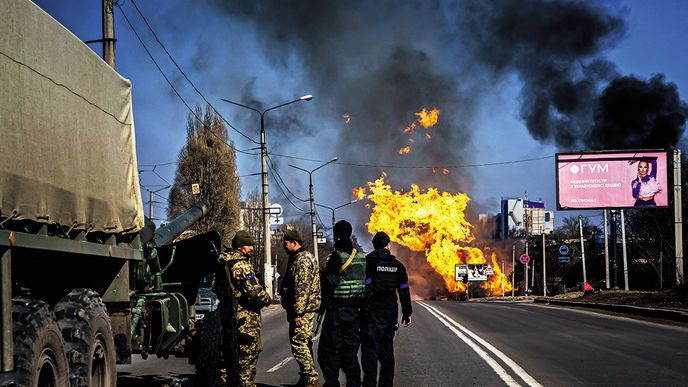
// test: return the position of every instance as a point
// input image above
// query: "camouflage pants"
(302, 347)
(250, 346)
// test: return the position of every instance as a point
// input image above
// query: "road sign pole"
(526, 272)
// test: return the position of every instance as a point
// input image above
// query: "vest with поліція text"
(352, 282)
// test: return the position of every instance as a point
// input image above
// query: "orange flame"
(359, 193)
(428, 118)
(432, 222)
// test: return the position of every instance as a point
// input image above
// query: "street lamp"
(310, 190)
(335, 208)
(267, 272)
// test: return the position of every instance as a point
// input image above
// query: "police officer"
(343, 293)
(300, 291)
(236, 278)
(385, 277)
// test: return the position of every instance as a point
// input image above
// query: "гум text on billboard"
(614, 179)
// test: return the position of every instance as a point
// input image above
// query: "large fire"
(432, 222)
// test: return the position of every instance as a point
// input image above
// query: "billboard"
(612, 179)
(475, 272)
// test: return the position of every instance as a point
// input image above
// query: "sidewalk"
(663, 313)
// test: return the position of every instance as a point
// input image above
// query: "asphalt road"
(487, 344)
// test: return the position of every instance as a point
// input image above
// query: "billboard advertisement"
(614, 179)
(475, 272)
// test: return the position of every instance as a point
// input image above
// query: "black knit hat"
(242, 238)
(342, 229)
(380, 240)
(293, 235)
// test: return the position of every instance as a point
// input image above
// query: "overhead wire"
(390, 166)
(174, 89)
(186, 77)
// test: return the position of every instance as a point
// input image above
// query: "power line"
(272, 166)
(285, 195)
(186, 77)
(389, 166)
(174, 89)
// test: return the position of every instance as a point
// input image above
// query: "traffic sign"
(564, 259)
(564, 250)
(524, 258)
(275, 211)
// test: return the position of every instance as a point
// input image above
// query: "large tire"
(209, 348)
(85, 326)
(39, 356)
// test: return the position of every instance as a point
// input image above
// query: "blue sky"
(380, 64)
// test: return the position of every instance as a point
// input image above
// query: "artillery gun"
(85, 278)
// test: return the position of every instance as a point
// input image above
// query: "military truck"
(85, 278)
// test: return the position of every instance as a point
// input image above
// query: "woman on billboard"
(645, 186)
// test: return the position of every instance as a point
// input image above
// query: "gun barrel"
(167, 233)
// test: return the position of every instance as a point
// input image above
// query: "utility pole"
(678, 217)
(544, 268)
(615, 264)
(267, 235)
(513, 268)
(502, 277)
(623, 242)
(108, 33)
(580, 224)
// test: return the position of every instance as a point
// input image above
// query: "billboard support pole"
(580, 225)
(606, 249)
(623, 244)
(615, 265)
(678, 217)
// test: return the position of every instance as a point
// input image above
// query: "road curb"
(664, 314)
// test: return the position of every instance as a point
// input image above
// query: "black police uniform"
(343, 294)
(385, 277)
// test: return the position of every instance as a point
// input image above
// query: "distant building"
(519, 216)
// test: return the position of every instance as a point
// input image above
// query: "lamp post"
(335, 208)
(310, 191)
(267, 271)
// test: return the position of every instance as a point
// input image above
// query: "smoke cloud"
(379, 62)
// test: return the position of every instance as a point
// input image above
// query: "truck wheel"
(39, 355)
(86, 330)
(209, 337)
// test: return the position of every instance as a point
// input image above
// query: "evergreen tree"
(206, 160)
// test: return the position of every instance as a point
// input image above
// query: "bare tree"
(209, 160)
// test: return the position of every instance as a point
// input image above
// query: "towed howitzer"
(165, 284)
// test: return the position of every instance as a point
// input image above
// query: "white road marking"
(280, 364)
(446, 320)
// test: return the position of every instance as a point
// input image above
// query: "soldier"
(343, 292)
(300, 291)
(236, 278)
(385, 277)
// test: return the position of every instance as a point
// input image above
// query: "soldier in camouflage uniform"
(300, 291)
(237, 275)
